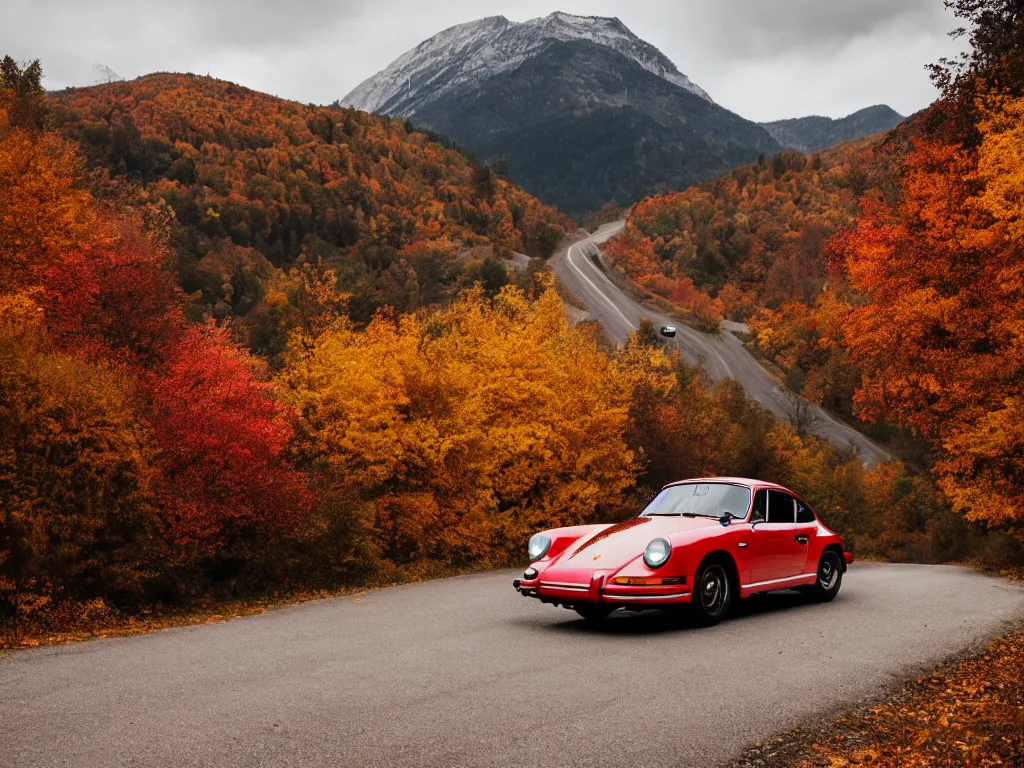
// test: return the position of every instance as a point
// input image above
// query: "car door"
(807, 528)
(778, 546)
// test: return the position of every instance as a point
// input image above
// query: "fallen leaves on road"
(968, 715)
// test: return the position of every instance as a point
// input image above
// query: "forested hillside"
(255, 190)
(756, 236)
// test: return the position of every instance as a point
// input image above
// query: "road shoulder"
(968, 711)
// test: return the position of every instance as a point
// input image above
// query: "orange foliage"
(785, 335)
(114, 408)
(77, 479)
(44, 209)
(634, 254)
(465, 430)
(758, 232)
(939, 341)
(685, 295)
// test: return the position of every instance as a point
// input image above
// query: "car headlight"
(657, 552)
(538, 546)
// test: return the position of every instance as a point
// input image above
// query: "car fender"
(723, 541)
(689, 549)
(824, 538)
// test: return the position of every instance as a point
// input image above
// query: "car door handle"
(802, 538)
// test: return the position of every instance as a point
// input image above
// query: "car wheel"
(712, 593)
(830, 578)
(593, 612)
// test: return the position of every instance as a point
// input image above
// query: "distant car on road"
(700, 544)
(669, 331)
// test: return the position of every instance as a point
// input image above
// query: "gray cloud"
(760, 28)
(764, 59)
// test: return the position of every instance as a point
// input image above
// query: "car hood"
(610, 549)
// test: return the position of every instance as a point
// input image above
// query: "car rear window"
(804, 513)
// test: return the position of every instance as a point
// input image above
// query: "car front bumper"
(598, 592)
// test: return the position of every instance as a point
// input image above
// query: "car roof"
(750, 483)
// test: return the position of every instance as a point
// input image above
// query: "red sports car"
(700, 543)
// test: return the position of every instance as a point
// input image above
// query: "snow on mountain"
(467, 54)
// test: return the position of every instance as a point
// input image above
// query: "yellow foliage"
(466, 429)
(981, 465)
(1001, 163)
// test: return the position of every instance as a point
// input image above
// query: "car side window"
(781, 508)
(804, 513)
(760, 506)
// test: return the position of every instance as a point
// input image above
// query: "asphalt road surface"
(465, 672)
(723, 356)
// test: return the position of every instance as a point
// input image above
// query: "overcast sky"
(765, 59)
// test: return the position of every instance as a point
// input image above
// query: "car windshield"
(701, 500)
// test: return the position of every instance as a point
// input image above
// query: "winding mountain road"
(464, 672)
(723, 356)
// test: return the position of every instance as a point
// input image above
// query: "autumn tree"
(992, 64)
(22, 94)
(319, 303)
(77, 478)
(117, 300)
(633, 253)
(938, 341)
(466, 429)
(226, 484)
(45, 210)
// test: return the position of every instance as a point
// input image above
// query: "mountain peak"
(467, 54)
(583, 21)
(569, 25)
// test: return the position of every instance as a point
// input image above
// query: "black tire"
(830, 577)
(593, 613)
(712, 593)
